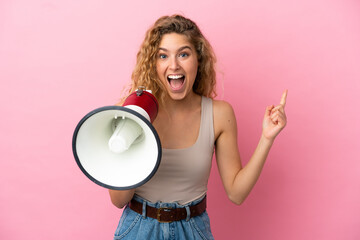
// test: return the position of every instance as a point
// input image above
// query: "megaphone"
(117, 147)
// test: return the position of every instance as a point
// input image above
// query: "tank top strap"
(206, 135)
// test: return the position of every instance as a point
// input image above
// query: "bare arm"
(238, 181)
(121, 197)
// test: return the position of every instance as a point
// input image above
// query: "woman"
(176, 62)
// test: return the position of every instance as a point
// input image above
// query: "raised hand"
(275, 118)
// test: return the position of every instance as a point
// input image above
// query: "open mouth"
(176, 81)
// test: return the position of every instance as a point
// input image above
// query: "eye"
(183, 54)
(162, 56)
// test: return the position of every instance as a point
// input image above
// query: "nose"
(174, 64)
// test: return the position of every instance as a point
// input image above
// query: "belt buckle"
(158, 214)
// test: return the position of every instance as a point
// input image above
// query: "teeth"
(175, 76)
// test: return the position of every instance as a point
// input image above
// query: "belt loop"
(144, 209)
(187, 213)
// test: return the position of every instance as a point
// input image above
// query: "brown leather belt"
(166, 214)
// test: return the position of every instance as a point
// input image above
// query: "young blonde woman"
(176, 62)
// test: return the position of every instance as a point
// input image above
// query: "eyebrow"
(179, 50)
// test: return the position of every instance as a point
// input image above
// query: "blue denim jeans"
(135, 226)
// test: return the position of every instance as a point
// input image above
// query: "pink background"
(61, 59)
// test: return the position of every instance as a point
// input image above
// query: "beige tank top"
(183, 173)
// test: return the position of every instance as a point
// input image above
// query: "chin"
(176, 97)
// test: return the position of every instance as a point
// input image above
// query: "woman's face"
(177, 65)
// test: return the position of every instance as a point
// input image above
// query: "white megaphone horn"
(116, 146)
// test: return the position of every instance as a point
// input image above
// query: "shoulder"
(224, 117)
(222, 108)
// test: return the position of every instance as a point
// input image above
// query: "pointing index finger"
(283, 98)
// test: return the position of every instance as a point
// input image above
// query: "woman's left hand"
(275, 119)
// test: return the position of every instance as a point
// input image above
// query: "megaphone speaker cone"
(122, 159)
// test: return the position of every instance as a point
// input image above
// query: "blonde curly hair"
(144, 73)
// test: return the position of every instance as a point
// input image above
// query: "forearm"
(121, 198)
(246, 178)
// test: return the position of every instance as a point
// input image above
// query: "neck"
(171, 106)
